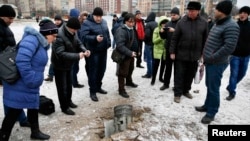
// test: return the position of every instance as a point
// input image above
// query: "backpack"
(8, 70)
(46, 106)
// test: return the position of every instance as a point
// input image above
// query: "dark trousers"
(64, 87)
(75, 70)
(183, 76)
(11, 117)
(125, 71)
(96, 68)
(51, 71)
(168, 70)
(139, 55)
(21, 118)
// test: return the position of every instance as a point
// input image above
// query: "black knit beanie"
(73, 23)
(47, 27)
(98, 11)
(7, 11)
(225, 7)
(175, 10)
(58, 17)
(245, 9)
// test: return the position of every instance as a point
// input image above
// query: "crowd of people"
(176, 45)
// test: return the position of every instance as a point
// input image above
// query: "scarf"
(140, 29)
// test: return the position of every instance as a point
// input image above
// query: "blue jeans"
(238, 69)
(148, 53)
(21, 118)
(96, 69)
(214, 73)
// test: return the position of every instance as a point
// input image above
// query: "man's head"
(74, 13)
(244, 12)
(58, 20)
(129, 20)
(97, 14)
(73, 24)
(175, 14)
(7, 13)
(193, 9)
(138, 14)
(223, 9)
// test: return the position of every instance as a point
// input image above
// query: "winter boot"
(37, 134)
(4, 136)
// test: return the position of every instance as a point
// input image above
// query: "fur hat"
(137, 12)
(74, 13)
(225, 7)
(98, 11)
(245, 9)
(73, 23)
(194, 5)
(7, 11)
(47, 27)
(175, 10)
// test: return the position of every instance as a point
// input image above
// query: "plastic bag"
(199, 73)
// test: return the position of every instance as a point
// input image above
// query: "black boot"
(4, 136)
(37, 134)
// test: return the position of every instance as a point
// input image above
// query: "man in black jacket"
(65, 51)
(151, 24)
(185, 49)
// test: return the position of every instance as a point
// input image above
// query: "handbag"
(117, 56)
(46, 106)
(8, 70)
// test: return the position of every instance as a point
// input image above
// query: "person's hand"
(99, 38)
(81, 55)
(162, 30)
(172, 56)
(171, 29)
(87, 53)
(133, 54)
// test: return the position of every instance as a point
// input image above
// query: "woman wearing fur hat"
(31, 60)
(240, 57)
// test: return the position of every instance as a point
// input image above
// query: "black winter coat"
(65, 50)
(151, 24)
(6, 36)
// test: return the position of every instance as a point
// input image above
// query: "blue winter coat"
(89, 31)
(31, 60)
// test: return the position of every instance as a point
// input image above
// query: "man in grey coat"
(220, 44)
(186, 47)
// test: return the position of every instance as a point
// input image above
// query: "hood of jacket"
(28, 30)
(162, 18)
(151, 17)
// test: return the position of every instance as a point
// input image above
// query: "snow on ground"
(155, 116)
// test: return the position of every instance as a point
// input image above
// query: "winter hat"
(245, 9)
(58, 17)
(47, 27)
(225, 7)
(175, 10)
(74, 13)
(114, 15)
(98, 11)
(7, 11)
(137, 12)
(73, 23)
(194, 5)
(124, 13)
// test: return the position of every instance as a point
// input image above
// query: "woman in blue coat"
(31, 60)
